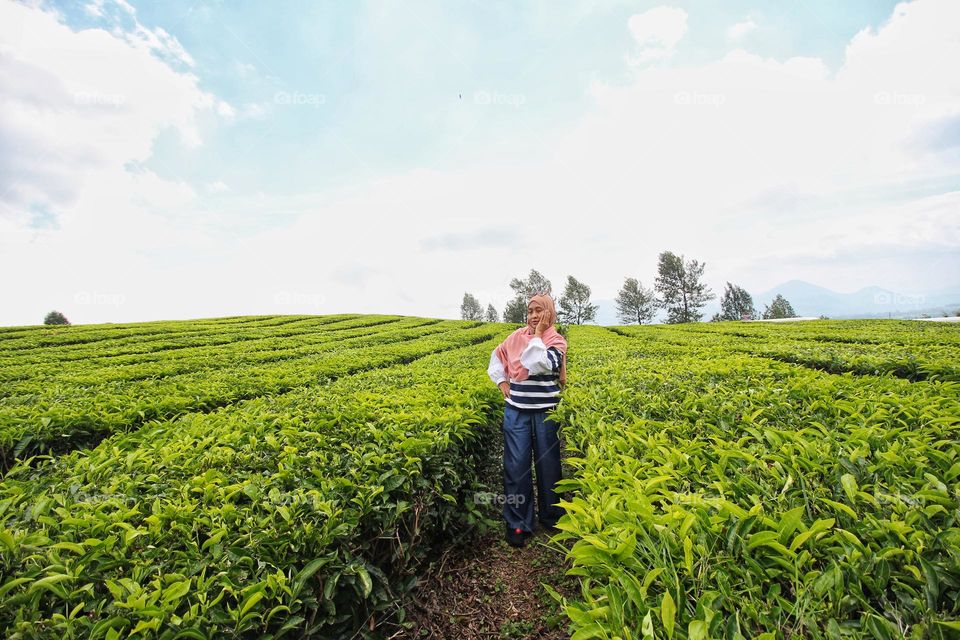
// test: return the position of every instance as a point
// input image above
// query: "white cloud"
(253, 110)
(79, 114)
(740, 29)
(122, 18)
(94, 8)
(225, 110)
(245, 69)
(78, 103)
(157, 41)
(657, 31)
(766, 169)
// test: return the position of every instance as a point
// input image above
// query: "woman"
(530, 369)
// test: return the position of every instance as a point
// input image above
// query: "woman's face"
(534, 311)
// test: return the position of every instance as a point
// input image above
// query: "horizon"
(605, 316)
(189, 160)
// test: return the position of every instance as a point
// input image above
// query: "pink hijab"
(510, 349)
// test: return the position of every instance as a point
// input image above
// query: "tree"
(534, 284)
(575, 307)
(779, 308)
(680, 288)
(470, 308)
(516, 309)
(55, 317)
(492, 315)
(636, 304)
(736, 304)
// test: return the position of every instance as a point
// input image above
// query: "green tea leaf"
(668, 612)
(850, 486)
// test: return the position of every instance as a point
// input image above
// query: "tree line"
(678, 289)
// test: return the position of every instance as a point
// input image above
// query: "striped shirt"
(541, 389)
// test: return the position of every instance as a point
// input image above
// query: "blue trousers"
(526, 435)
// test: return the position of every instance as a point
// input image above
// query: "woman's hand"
(505, 389)
(542, 325)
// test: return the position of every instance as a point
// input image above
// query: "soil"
(489, 589)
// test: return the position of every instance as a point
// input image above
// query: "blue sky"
(292, 157)
(390, 74)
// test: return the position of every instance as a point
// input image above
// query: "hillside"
(261, 476)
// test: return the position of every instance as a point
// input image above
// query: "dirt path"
(489, 589)
(483, 588)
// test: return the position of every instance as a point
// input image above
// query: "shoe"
(516, 537)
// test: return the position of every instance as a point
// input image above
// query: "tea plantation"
(289, 476)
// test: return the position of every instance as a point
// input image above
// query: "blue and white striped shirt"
(541, 389)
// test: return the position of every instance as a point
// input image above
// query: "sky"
(188, 159)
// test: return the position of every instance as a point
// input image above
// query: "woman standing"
(530, 369)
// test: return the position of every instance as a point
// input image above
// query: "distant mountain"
(812, 300)
(870, 302)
